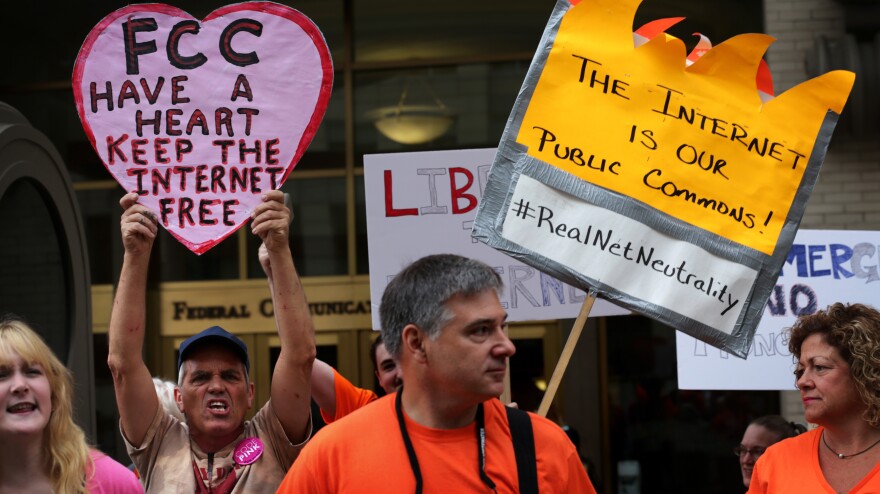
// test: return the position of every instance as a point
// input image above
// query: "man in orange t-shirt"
(335, 395)
(338, 397)
(445, 430)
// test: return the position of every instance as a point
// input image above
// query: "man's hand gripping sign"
(670, 189)
(200, 118)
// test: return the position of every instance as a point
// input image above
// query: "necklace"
(843, 456)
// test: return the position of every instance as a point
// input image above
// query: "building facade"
(619, 397)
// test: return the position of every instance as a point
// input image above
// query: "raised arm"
(324, 387)
(291, 389)
(322, 380)
(135, 394)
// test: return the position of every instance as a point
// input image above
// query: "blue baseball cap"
(218, 335)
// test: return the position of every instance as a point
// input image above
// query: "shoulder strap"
(524, 448)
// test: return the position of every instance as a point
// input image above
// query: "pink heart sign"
(202, 117)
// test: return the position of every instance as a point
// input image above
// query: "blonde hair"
(66, 454)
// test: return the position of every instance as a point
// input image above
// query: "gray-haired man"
(444, 429)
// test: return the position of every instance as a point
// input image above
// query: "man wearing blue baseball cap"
(215, 449)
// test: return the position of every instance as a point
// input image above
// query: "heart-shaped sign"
(202, 118)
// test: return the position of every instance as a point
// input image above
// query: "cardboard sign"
(822, 267)
(668, 187)
(202, 117)
(424, 203)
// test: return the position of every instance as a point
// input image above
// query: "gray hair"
(165, 392)
(418, 294)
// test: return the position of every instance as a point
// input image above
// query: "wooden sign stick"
(562, 364)
(505, 395)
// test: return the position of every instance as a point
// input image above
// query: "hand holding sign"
(201, 119)
(138, 225)
(272, 221)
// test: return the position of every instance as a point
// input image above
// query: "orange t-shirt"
(792, 466)
(348, 398)
(365, 453)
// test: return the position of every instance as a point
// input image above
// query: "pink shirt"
(110, 477)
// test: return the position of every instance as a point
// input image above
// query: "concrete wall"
(847, 194)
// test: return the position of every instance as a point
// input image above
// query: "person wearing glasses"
(444, 430)
(838, 374)
(759, 435)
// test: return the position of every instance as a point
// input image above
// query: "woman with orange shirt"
(838, 375)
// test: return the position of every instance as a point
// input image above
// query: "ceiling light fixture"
(413, 124)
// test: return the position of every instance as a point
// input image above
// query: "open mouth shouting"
(218, 407)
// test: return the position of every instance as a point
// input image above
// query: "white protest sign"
(424, 203)
(201, 118)
(627, 255)
(823, 267)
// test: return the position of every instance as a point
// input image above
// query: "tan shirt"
(168, 461)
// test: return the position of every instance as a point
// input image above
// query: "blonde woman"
(43, 450)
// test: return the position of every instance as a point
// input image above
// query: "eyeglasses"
(754, 452)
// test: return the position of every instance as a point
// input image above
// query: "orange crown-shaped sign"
(694, 141)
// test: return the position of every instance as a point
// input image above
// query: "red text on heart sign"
(202, 117)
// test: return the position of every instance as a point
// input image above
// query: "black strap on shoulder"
(524, 448)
